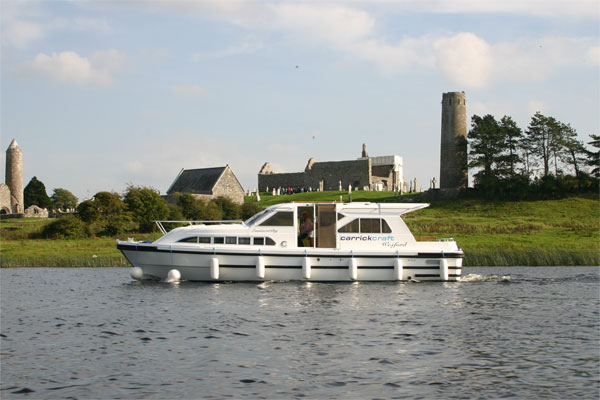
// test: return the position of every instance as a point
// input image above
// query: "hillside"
(554, 232)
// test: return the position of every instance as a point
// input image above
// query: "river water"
(503, 332)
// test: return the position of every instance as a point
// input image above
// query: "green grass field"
(554, 232)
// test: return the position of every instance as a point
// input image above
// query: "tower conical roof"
(13, 145)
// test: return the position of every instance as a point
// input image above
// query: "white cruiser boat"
(298, 241)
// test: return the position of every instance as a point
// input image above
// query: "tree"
(191, 207)
(573, 150)
(512, 135)
(63, 199)
(106, 213)
(543, 140)
(230, 210)
(35, 194)
(146, 206)
(593, 157)
(87, 211)
(250, 209)
(486, 146)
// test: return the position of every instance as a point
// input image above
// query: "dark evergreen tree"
(35, 194)
(543, 141)
(486, 144)
(512, 136)
(572, 151)
(593, 157)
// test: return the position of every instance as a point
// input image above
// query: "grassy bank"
(556, 232)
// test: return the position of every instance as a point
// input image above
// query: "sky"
(103, 94)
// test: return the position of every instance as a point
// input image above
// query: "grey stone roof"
(199, 181)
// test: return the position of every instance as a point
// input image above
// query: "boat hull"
(307, 265)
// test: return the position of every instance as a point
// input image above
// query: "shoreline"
(518, 258)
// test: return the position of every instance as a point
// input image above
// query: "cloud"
(81, 24)
(464, 59)
(20, 33)
(188, 90)
(592, 56)
(25, 22)
(549, 9)
(70, 68)
(248, 45)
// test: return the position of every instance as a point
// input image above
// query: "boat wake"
(485, 278)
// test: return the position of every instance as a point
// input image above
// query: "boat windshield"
(255, 217)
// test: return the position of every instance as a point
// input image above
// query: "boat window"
(370, 225)
(351, 227)
(219, 240)
(340, 216)
(231, 240)
(193, 239)
(270, 242)
(252, 220)
(244, 240)
(259, 241)
(203, 240)
(367, 225)
(385, 228)
(281, 218)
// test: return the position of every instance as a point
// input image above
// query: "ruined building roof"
(199, 181)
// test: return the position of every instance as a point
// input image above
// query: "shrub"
(146, 206)
(67, 227)
(250, 209)
(229, 209)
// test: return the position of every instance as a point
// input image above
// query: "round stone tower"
(453, 159)
(14, 177)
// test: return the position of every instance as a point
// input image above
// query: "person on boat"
(306, 228)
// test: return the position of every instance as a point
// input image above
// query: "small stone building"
(207, 183)
(5, 205)
(372, 173)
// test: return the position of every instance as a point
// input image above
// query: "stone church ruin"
(382, 173)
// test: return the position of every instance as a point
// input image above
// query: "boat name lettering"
(394, 245)
(367, 238)
(265, 230)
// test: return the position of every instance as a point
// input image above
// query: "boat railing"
(195, 222)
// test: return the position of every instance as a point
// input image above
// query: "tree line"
(547, 160)
(134, 211)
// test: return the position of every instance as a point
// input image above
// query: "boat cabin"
(343, 226)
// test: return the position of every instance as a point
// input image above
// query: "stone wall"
(354, 172)
(229, 186)
(36, 212)
(290, 179)
(5, 207)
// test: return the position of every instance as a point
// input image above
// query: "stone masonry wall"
(290, 179)
(354, 172)
(229, 186)
(5, 206)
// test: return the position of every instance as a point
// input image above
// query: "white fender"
(136, 273)
(353, 269)
(214, 268)
(173, 276)
(306, 268)
(444, 269)
(260, 267)
(398, 269)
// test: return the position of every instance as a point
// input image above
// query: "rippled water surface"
(504, 332)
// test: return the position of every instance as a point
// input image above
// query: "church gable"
(196, 181)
